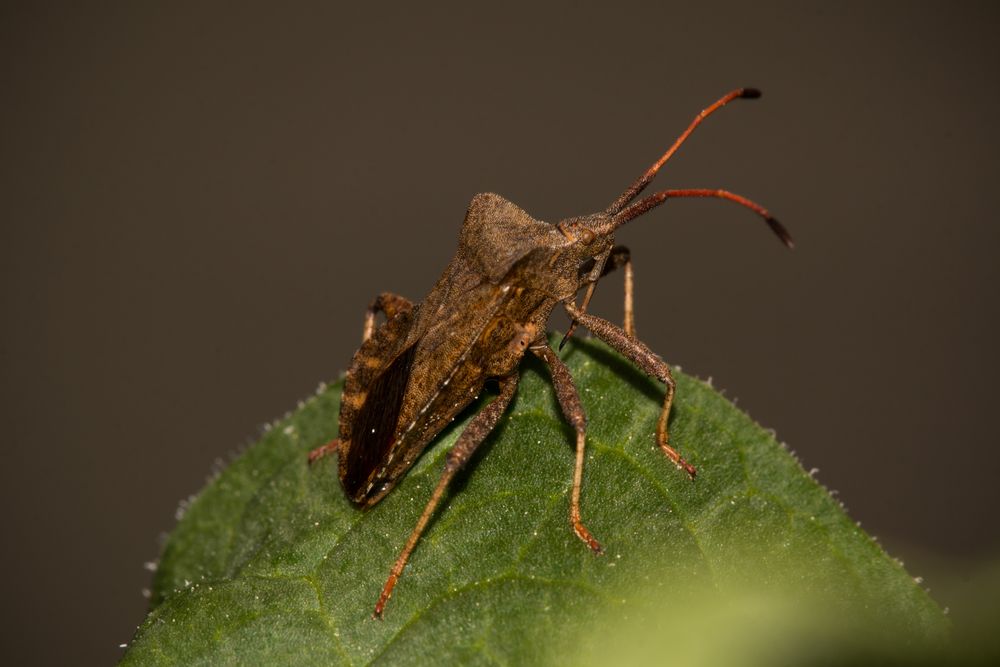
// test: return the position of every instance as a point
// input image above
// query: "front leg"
(636, 351)
(618, 257)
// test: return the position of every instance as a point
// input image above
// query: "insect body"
(418, 370)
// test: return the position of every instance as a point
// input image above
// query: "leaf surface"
(272, 565)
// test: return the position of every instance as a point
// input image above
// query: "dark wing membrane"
(375, 427)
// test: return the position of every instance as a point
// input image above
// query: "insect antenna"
(652, 201)
(619, 214)
(640, 184)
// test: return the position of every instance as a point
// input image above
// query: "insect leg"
(621, 257)
(323, 450)
(458, 456)
(645, 359)
(569, 401)
(618, 256)
(388, 303)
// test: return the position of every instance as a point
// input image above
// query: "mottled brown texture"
(387, 303)
(493, 299)
(199, 204)
(414, 374)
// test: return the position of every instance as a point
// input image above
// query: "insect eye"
(587, 267)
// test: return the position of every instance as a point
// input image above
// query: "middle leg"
(618, 257)
(569, 401)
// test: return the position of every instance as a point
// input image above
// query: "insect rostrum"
(418, 370)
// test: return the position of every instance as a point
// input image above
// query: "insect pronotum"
(419, 369)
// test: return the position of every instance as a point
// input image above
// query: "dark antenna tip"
(749, 93)
(781, 232)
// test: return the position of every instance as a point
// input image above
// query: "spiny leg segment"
(569, 401)
(637, 352)
(474, 434)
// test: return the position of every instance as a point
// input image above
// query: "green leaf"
(752, 560)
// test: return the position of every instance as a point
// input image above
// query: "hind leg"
(460, 453)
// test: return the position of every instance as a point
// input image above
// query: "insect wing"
(375, 426)
(440, 372)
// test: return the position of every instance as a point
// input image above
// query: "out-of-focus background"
(198, 201)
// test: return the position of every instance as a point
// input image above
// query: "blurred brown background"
(197, 202)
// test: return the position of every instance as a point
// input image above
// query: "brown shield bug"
(418, 370)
